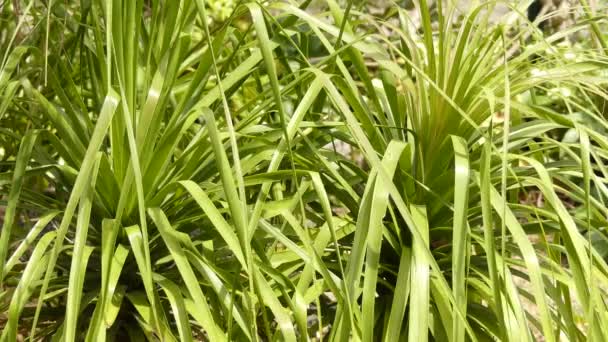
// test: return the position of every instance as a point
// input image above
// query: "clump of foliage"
(165, 179)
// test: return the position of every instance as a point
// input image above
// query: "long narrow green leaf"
(110, 297)
(166, 231)
(80, 257)
(32, 235)
(216, 218)
(373, 240)
(178, 306)
(460, 234)
(223, 292)
(137, 242)
(23, 157)
(99, 133)
(418, 325)
(489, 240)
(403, 288)
(280, 313)
(11, 59)
(32, 273)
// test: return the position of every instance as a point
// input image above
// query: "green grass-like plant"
(164, 179)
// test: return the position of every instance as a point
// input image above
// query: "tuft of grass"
(168, 179)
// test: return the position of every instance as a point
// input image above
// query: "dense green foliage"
(283, 175)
